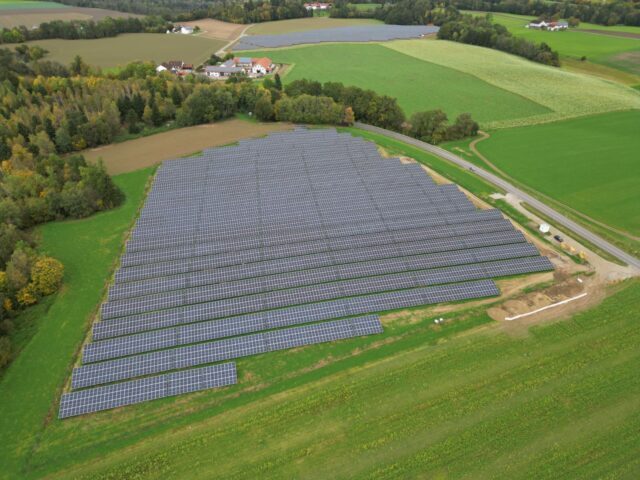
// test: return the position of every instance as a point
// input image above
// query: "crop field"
(217, 29)
(305, 24)
(589, 164)
(148, 151)
(418, 85)
(610, 50)
(13, 14)
(120, 50)
(566, 94)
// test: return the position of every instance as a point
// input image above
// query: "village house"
(177, 67)
(550, 26)
(317, 6)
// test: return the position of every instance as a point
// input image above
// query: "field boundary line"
(508, 187)
(553, 305)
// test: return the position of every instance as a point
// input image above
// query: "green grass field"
(567, 94)
(28, 5)
(118, 51)
(28, 390)
(616, 52)
(590, 164)
(498, 89)
(418, 85)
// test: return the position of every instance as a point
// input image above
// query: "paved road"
(506, 186)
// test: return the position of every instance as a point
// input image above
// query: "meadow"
(418, 85)
(578, 42)
(28, 5)
(399, 405)
(589, 164)
(566, 94)
(118, 51)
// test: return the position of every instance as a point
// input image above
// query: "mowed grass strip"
(30, 387)
(126, 48)
(484, 405)
(590, 164)
(418, 85)
(566, 94)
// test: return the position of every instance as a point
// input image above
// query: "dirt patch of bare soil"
(216, 29)
(147, 151)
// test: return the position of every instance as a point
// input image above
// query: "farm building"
(177, 67)
(222, 71)
(317, 6)
(551, 26)
(261, 66)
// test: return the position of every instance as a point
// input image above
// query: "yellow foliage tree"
(27, 296)
(46, 275)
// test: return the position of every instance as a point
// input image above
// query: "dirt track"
(147, 151)
(611, 34)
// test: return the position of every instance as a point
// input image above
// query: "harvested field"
(126, 48)
(216, 29)
(147, 151)
(304, 24)
(14, 17)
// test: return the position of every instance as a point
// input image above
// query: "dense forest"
(182, 10)
(483, 32)
(84, 29)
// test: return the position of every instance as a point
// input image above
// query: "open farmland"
(305, 24)
(148, 151)
(622, 52)
(217, 29)
(570, 388)
(590, 164)
(120, 50)
(418, 85)
(566, 94)
(29, 14)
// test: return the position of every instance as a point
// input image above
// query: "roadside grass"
(30, 386)
(399, 408)
(418, 85)
(589, 164)
(565, 93)
(126, 48)
(304, 24)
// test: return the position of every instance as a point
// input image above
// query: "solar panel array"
(297, 238)
(363, 33)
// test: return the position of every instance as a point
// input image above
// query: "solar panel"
(190, 356)
(151, 388)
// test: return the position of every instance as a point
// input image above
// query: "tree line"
(249, 11)
(84, 29)
(483, 32)
(612, 12)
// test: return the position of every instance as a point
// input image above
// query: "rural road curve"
(506, 186)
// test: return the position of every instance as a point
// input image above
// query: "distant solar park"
(361, 33)
(294, 239)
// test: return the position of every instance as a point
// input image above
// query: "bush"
(46, 275)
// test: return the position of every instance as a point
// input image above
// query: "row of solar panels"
(119, 339)
(220, 350)
(318, 293)
(203, 272)
(249, 238)
(206, 289)
(443, 238)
